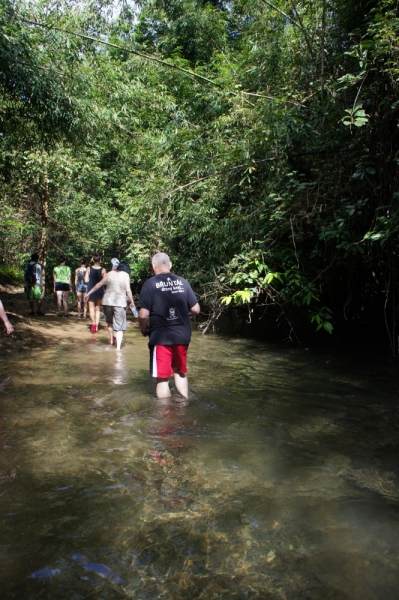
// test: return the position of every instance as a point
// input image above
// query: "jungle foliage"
(255, 141)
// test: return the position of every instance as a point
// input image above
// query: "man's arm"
(195, 310)
(144, 318)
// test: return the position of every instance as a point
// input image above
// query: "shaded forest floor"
(37, 331)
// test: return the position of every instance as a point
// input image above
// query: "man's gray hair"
(161, 259)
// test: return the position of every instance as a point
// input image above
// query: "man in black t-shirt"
(165, 304)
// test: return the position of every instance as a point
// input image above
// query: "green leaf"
(242, 296)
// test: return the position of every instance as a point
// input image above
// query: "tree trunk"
(44, 201)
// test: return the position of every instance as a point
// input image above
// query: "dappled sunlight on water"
(276, 479)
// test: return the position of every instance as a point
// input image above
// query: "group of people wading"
(165, 305)
(89, 287)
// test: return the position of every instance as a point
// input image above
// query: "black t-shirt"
(169, 299)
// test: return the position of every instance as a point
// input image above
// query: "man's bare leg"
(110, 332)
(181, 383)
(162, 389)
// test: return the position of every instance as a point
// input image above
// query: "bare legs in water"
(181, 383)
(81, 305)
(94, 310)
(62, 302)
(118, 335)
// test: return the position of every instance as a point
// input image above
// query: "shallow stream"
(277, 479)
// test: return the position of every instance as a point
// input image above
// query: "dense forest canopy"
(254, 141)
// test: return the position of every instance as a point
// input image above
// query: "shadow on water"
(276, 479)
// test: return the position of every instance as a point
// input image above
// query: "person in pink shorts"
(166, 302)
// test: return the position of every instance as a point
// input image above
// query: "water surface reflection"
(276, 479)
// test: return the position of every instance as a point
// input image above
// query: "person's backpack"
(31, 274)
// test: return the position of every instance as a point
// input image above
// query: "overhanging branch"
(196, 76)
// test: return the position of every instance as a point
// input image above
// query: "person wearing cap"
(165, 304)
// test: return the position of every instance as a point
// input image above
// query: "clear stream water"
(277, 479)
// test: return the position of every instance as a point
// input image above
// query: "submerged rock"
(45, 573)
(80, 558)
(102, 571)
(97, 568)
(254, 522)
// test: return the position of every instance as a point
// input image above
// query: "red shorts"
(165, 360)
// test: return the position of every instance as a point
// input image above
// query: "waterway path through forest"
(277, 479)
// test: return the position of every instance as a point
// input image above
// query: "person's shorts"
(117, 316)
(34, 292)
(165, 360)
(81, 288)
(62, 287)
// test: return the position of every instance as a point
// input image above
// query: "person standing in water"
(62, 286)
(114, 301)
(165, 304)
(81, 289)
(93, 275)
(33, 282)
